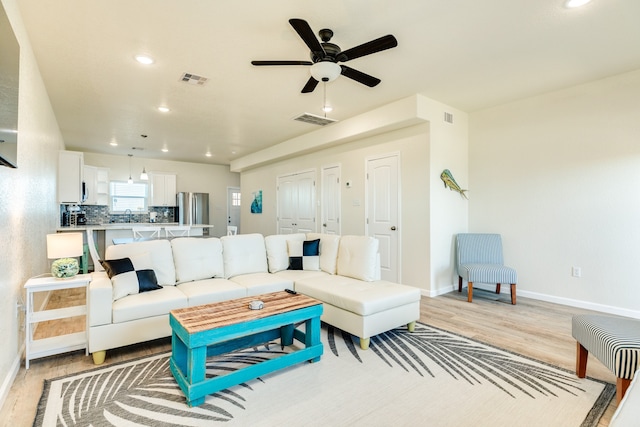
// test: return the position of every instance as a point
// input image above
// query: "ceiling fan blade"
(377, 45)
(359, 76)
(310, 86)
(259, 63)
(308, 37)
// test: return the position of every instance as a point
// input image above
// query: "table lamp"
(62, 247)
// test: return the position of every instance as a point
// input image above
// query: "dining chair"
(177, 230)
(480, 260)
(232, 230)
(146, 232)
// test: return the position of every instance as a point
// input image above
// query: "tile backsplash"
(101, 215)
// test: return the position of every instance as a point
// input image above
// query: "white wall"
(558, 176)
(194, 177)
(28, 208)
(430, 214)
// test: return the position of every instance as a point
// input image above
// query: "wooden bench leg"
(513, 293)
(470, 292)
(582, 355)
(622, 384)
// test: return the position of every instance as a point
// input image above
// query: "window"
(235, 199)
(128, 196)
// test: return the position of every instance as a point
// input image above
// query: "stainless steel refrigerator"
(193, 208)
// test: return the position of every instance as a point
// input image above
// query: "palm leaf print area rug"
(427, 378)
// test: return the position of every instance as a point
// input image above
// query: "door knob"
(393, 228)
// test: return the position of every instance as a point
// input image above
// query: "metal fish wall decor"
(450, 182)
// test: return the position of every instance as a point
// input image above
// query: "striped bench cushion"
(613, 341)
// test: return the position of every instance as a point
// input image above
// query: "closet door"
(296, 203)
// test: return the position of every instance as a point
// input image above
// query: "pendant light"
(130, 180)
(143, 175)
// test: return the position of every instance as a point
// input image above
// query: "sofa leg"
(98, 357)
(411, 326)
(622, 384)
(364, 343)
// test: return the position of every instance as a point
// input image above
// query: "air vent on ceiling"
(193, 79)
(314, 120)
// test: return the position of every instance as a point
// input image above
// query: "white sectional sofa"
(195, 271)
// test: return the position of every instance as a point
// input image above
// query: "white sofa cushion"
(211, 290)
(262, 283)
(356, 296)
(244, 254)
(277, 253)
(294, 275)
(197, 258)
(148, 304)
(161, 257)
(358, 257)
(328, 250)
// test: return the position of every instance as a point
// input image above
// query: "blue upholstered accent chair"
(479, 260)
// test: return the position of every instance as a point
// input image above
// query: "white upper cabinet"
(96, 182)
(70, 174)
(162, 191)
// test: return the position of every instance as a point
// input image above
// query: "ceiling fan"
(325, 56)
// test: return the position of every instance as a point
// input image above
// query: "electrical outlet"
(576, 272)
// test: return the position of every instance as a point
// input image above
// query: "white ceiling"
(468, 54)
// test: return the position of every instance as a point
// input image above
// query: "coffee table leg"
(196, 370)
(286, 335)
(312, 334)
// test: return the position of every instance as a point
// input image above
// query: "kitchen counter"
(123, 226)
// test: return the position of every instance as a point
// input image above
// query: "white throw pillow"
(197, 258)
(161, 256)
(277, 252)
(304, 255)
(131, 275)
(329, 244)
(357, 257)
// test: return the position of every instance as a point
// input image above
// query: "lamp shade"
(64, 245)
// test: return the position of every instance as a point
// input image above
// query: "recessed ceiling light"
(144, 59)
(165, 150)
(164, 109)
(113, 144)
(575, 3)
(208, 154)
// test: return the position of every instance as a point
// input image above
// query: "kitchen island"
(102, 235)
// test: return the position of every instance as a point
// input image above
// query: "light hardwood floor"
(533, 328)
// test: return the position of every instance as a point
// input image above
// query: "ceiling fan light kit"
(325, 71)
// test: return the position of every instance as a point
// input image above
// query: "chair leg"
(513, 293)
(497, 288)
(622, 384)
(582, 355)
(459, 283)
(470, 292)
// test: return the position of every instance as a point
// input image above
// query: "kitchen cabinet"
(96, 182)
(162, 190)
(70, 174)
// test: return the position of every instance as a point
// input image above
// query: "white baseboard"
(10, 378)
(608, 309)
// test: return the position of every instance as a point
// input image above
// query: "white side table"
(58, 344)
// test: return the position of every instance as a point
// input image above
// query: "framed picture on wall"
(256, 204)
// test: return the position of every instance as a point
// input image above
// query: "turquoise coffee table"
(213, 329)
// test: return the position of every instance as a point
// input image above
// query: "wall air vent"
(313, 119)
(193, 79)
(448, 117)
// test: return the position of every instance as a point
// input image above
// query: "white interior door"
(331, 200)
(233, 207)
(296, 203)
(383, 201)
